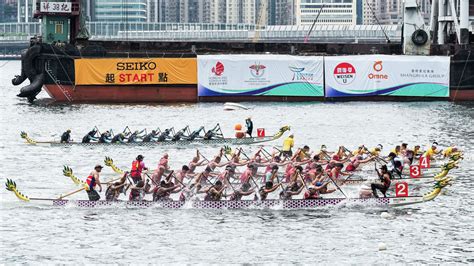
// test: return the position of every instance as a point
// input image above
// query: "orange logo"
(378, 66)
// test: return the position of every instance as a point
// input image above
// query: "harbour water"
(439, 231)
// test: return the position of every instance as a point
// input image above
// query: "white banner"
(389, 75)
(56, 7)
(262, 75)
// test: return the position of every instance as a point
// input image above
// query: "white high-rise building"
(240, 11)
(341, 12)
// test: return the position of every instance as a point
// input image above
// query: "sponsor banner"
(135, 71)
(390, 75)
(263, 75)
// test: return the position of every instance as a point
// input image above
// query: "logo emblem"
(218, 69)
(378, 66)
(344, 73)
(257, 70)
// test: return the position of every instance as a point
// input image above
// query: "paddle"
(203, 156)
(71, 193)
(337, 186)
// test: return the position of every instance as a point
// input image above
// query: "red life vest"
(91, 181)
(136, 169)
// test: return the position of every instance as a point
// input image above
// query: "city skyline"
(261, 12)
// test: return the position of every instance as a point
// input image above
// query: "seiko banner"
(133, 71)
(260, 75)
(397, 75)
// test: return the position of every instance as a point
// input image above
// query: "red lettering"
(121, 78)
(150, 75)
(143, 79)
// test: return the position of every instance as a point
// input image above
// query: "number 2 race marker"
(401, 189)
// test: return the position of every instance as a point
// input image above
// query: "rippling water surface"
(436, 232)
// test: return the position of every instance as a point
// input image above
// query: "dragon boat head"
(438, 186)
(450, 165)
(11, 186)
(456, 156)
(281, 131)
(108, 161)
(23, 135)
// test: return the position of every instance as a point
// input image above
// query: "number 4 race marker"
(415, 171)
(260, 132)
(424, 162)
(401, 189)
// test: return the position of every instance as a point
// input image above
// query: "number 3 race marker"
(415, 171)
(401, 189)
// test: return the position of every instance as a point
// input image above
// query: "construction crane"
(261, 20)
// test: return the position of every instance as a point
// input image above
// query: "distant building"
(240, 11)
(286, 12)
(120, 10)
(214, 11)
(24, 10)
(390, 12)
(341, 12)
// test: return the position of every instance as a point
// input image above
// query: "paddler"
(119, 138)
(135, 137)
(92, 181)
(314, 191)
(163, 192)
(432, 151)
(376, 151)
(105, 137)
(247, 174)
(395, 164)
(288, 144)
(138, 191)
(90, 136)
(151, 137)
(214, 193)
(303, 153)
(113, 190)
(386, 179)
(291, 190)
(396, 150)
(268, 188)
(450, 151)
(336, 171)
(66, 136)
(195, 163)
(249, 126)
(244, 190)
(138, 166)
(164, 135)
(355, 161)
(162, 167)
(181, 175)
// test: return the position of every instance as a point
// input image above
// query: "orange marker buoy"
(238, 127)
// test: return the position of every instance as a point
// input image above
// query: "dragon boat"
(241, 204)
(182, 142)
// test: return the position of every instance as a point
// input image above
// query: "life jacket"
(91, 182)
(137, 168)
